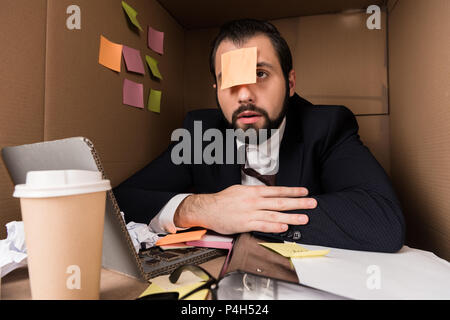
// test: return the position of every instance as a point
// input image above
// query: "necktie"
(267, 179)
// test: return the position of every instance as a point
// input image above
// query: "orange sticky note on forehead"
(238, 67)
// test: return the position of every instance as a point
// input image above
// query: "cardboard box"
(395, 80)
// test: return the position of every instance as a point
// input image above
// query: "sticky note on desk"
(153, 64)
(181, 237)
(110, 54)
(186, 283)
(182, 290)
(293, 250)
(238, 67)
(132, 14)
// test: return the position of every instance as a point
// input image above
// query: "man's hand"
(245, 208)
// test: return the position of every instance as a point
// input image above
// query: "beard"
(268, 124)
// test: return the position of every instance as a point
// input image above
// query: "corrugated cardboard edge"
(116, 210)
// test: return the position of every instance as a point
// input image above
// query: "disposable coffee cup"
(63, 213)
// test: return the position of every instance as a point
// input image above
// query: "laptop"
(118, 254)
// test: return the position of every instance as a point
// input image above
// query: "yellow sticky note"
(110, 54)
(293, 250)
(181, 237)
(182, 290)
(238, 67)
(285, 249)
(310, 253)
(153, 64)
(154, 101)
(132, 14)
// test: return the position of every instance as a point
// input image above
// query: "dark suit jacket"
(320, 150)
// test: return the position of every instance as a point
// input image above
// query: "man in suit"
(327, 190)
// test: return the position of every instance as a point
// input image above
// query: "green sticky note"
(153, 64)
(154, 101)
(131, 14)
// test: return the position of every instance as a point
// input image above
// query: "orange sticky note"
(238, 67)
(181, 237)
(110, 54)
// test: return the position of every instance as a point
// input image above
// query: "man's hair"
(239, 31)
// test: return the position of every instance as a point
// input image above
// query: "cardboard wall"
(202, 14)
(331, 54)
(419, 72)
(22, 38)
(85, 98)
(52, 86)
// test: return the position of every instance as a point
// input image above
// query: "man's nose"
(245, 94)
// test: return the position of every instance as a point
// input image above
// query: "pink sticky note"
(156, 40)
(210, 244)
(133, 60)
(225, 265)
(133, 93)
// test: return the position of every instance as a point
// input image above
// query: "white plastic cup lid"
(60, 183)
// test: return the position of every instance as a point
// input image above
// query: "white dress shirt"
(263, 158)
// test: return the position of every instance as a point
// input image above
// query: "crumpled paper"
(13, 250)
(141, 235)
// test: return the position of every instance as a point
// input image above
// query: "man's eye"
(261, 74)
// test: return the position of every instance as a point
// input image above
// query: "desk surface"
(113, 285)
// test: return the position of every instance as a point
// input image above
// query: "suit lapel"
(290, 163)
(230, 174)
(292, 146)
(227, 174)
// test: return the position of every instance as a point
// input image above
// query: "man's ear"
(291, 82)
(214, 86)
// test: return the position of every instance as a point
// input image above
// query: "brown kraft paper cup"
(63, 213)
(64, 245)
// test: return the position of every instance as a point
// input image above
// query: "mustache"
(248, 107)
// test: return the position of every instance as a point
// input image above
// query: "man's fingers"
(281, 218)
(281, 192)
(284, 204)
(264, 226)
